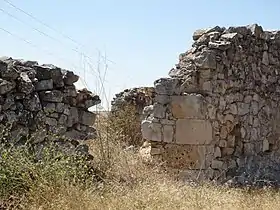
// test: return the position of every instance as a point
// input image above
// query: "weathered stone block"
(166, 86)
(43, 73)
(168, 133)
(51, 96)
(70, 91)
(62, 119)
(217, 164)
(74, 134)
(8, 71)
(188, 106)
(49, 107)
(206, 60)
(73, 117)
(159, 110)
(51, 121)
(57, 77)
(217, 152)
(70, 78)
(6, 86)
(163, 99)
(193, 131)
(184, 157)
(151, 131)
(32, 103)
(44, 85)
(86, 117)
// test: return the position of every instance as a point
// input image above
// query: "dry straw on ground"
(130, 183)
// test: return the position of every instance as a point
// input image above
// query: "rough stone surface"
(223, 95)
(137, 97)
(32, 97)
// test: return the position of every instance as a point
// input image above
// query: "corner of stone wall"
(220, 104)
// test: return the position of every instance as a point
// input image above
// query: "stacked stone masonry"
(221, 103)
(43, 97)
(139, 98)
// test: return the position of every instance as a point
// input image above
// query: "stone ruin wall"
(44, 98)
(139, 98)
(126, 112)
(219, 109)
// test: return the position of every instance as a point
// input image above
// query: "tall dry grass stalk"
(130, 183)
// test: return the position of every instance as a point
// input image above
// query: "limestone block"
(25, 84)
(159, 110)
(43, 73)
(151, 131)
(69, 78)
(49, 107)
(193, 131)
(168, 133)
(51, 121)
(243, 108)
(162, 99)
(44, 85)
(51, 96)
(217, 164)
(265, 145)
(8, 71)
(73, 117)
(212, 110)
(167, 122)
(198, 33)
(232, 109)
(184, 156)
(227, 151)
(188, 106)
(248, 149)
(229, 36)
(33, 103)
(222, 143)
(6, 86)
(86, 117)
(166, 86)
(206, 60)
(217, 152)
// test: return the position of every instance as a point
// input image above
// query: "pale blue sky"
(143, 38)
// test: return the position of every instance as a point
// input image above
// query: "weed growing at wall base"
(23, 173)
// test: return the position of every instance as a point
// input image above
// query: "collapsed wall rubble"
(44, 98)
(137, 97)
(126, 113)
(218, 113)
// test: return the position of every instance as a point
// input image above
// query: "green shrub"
(21, 171)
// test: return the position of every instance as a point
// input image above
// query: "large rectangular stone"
(193, 131)
(168, 133)
(188, 106)
(151, 131)
(86, 117)
(184, 156)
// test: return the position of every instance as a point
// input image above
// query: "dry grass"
(133, 185)
(130, 183)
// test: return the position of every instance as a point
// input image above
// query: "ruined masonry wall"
(220, 104)
(43, 97)
(139, 98)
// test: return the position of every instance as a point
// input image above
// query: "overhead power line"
(87, 59)
(41, 32)
(51, 28)
(47, 52)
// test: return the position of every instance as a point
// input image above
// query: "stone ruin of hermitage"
(219, 108)
(38, 100)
